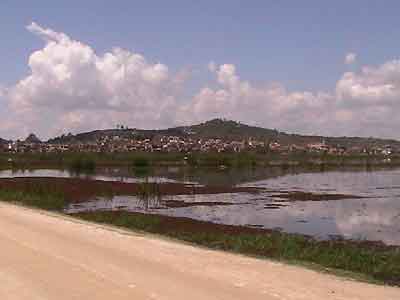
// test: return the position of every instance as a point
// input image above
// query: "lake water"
(106, 174)
(374, 217)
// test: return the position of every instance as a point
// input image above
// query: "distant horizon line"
(124, 127)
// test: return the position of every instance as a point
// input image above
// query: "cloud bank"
(72, 88)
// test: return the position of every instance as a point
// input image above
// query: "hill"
(32, 139)
(229, 130)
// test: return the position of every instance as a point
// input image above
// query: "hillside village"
(218, 136)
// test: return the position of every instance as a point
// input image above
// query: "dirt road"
(50, 257)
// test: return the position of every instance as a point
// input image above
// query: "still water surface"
(375, 217)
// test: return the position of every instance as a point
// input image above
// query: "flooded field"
(358, 204)
(107, 174)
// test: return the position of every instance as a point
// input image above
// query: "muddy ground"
(80, 190)
(307, 196)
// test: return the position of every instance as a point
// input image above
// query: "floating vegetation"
(149, 193)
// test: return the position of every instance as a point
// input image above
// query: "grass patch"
(82, 164)
(141, 162)
(84, 161)
(38, 196)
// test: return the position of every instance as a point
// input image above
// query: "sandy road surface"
(49, 257)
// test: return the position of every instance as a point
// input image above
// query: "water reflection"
(106, 174)
(376, 217)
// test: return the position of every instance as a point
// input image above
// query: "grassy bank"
(39, 196)
(88, 161)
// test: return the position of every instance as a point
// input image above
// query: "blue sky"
(299, 44)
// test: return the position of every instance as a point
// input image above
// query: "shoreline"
(357, 258)
(374, 260)
(361, 260)
(133, 265)
(83, 160)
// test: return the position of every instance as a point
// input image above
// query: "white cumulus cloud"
(269, 105)
(70, 87)
(75, 87)
(372, 86)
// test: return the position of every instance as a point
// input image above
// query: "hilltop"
(216, 128)
(227, 130)
(232, 130)
(32, 139)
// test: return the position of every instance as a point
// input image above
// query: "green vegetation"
(39, 196)
(372, 260)
(87, 162)
(89, 159)
(142, 166)
(141, 162)
(82, 163)
(375, 261)
(149, 190)
(230, 160)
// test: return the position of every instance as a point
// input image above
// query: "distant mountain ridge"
(229, 130)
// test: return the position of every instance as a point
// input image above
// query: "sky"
(310, 67)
